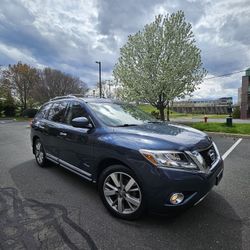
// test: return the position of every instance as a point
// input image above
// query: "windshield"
(113, 114)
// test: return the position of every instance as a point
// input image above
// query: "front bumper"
(162, 183)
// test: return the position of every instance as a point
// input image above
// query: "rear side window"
(75, 110)
(43, 111)
(57, 112)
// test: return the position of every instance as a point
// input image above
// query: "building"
(203, 106)
(239, 96)
(245, 96)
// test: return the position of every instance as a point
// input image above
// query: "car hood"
(162, 136)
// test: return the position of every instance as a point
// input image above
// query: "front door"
(76, 143)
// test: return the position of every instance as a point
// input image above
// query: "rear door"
(76, 143)
(39, 125)
(55, 126)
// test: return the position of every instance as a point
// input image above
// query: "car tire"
(121, 192)
(39, 153)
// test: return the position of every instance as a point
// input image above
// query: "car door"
(76, 144)
(40, 124)
(54, 129)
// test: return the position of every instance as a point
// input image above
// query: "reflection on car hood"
(165, 136)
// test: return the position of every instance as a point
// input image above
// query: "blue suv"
(138, 162)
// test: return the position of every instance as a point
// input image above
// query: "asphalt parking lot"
(54, 209)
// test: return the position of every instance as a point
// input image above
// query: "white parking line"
(231, 149)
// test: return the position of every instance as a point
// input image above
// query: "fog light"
(176, 198)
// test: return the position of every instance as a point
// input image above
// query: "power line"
(224, 75)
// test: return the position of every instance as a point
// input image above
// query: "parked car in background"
(138, 162)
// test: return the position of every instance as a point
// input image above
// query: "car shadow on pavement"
(212, 224)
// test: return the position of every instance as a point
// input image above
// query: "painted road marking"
(231, 149)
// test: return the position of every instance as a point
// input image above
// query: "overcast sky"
(71, 35)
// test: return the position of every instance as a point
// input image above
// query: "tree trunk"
(162, 115)
(25, 101)
(168, 113)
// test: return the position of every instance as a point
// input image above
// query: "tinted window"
(43, 111)
(75, 110)
(57, 112)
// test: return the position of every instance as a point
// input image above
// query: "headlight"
(168, 159)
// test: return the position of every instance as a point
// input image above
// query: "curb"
(228, 134)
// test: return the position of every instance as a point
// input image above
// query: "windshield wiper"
(127, 125)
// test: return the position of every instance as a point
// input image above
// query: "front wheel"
(39, 153)
(121, 192)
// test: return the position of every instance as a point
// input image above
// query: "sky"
(71, 35)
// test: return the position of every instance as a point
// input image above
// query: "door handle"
(63, 134)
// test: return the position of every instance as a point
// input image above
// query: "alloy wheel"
(39, 152)
(122, 193)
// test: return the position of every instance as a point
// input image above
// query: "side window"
(75, 110)
(43, 111)
(57, 112)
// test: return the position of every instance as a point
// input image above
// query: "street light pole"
(100, 77)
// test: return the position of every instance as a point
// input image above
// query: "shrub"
(9, 110)
(236, 113)
(8, 105)
(1, 107)
(156, 114)
(30, 113)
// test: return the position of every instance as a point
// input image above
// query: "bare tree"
(56, 83)
(21, 79)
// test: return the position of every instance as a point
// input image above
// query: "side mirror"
(81, 122)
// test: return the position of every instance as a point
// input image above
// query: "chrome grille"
(209, 155)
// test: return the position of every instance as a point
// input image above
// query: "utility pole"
(100, 77)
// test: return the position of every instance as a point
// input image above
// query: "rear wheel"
(39, 153)
(121, 192)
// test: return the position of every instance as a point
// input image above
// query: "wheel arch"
(33, 142)
(107, 162)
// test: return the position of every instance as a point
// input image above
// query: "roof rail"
(67, 96)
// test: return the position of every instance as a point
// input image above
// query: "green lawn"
(221, 127)
(148, 108)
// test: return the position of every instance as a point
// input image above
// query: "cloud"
(72, 35)
(220, 87)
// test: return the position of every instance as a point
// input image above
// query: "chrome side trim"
(76, 172)
(51, 157)
(74, 168)
(69, 166)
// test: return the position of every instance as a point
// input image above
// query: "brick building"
(245, 96)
